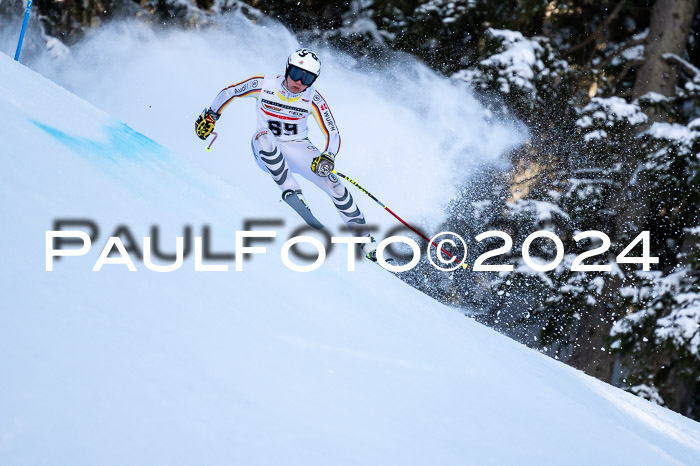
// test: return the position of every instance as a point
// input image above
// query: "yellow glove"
(205, 123)
(323, 164)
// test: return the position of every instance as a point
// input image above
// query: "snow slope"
(263, 366)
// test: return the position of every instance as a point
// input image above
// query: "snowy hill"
(262, 366)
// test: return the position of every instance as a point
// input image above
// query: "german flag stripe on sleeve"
(244, 81)
(245, 94)
(321, 124)
(324, 101)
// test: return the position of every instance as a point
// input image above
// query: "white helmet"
(304, 65)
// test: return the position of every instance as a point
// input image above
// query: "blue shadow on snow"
(123, 143)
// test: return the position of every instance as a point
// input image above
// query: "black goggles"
(307, 78)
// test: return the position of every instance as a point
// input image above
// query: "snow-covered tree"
(660, 334)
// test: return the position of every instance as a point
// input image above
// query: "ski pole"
(464, 265)
(208, 149)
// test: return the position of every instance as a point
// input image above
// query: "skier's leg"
(271, 159)
(348, 210)
(299, 155)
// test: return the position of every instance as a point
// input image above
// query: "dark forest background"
(610, 92)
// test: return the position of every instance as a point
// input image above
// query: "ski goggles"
(297, 74)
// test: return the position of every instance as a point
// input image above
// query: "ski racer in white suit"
(281, 145)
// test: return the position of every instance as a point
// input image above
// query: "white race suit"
(281, 145)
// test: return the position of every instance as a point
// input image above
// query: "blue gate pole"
(24, 28)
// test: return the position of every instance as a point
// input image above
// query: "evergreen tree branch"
(617, 52)
(674, 59)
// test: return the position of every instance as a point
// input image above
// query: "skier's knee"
(264, 142)
(335, 184)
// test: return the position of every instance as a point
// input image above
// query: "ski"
(296, 202)
(373, 258)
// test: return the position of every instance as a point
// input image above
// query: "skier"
(280, 143)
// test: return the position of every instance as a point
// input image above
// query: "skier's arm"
(323, 116)
(247, 88)
(206, 121)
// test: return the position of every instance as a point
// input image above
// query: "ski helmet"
(303, 65)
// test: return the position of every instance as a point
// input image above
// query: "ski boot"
(370, 250)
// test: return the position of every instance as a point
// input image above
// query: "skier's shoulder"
(252, 82)
(316, 96)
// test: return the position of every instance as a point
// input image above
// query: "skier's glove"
(205, 123)
(323, 164)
